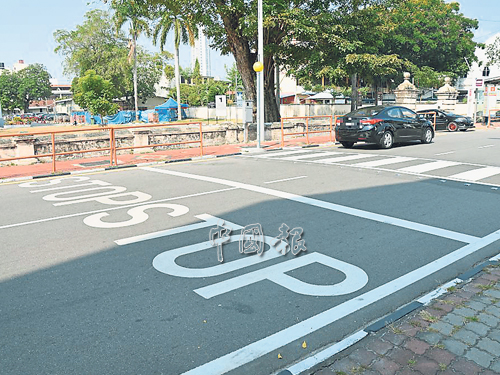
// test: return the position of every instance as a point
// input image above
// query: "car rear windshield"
(366, 112)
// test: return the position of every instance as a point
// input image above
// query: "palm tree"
(129, 11)
(185, 31)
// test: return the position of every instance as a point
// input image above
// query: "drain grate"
(94, 163)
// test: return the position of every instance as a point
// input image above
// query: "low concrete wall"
(235, 114)
(225, 133)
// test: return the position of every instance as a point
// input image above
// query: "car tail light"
(371, 121)
(338, 121)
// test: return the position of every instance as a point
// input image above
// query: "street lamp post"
(260, 77)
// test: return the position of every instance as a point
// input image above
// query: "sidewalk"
(457, 333)
(81, 164)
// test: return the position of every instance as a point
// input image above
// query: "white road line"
(310, 156)
(326, 205)
(486, 146)
(112, 209)
(272, 154)
(445, 153)
(426, 167)
(343, 158)
(285, 179)
(378, 163)
(209, 221)
(477, 174)
(293, 333)
(323, 355)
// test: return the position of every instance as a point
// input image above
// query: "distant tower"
(201, 51)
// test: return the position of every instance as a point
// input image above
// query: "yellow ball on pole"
(258, 66)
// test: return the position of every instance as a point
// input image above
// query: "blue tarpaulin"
(168, 110)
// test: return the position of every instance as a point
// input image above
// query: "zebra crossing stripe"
(276, 154)
(344, 158)
(379, 163)
(310, 156)
(426, 167)
(477, 174)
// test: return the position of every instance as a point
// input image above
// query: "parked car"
(447, 120)
(62, 117)
(383, 125)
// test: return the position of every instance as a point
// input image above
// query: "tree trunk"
(271, 109)
(354, 92)
(178, 83)
(240, 48)
(135, 77)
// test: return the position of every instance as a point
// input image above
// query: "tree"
(34, 84)
(430, 33)
(169, 18)
(97, 45)
(493, 52)
(128, 11)
(9, 91)
(149, 72)
(95, 94)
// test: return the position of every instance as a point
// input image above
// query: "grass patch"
(455, 329)
(439, 346)
(495, 300)
(358, 370)
(442, 366)
(415, 323)
(395, 330)
(427, 316)
(468, 319)
(486, 287)
(451, 289)
(412, 362)
(430, 329)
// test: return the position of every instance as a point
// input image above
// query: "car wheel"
(452, 127)
(428, 135)
(347, 144)
(387, 140)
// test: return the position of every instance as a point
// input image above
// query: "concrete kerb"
(315, 360)
(119, 167)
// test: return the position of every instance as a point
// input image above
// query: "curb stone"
(410, 341)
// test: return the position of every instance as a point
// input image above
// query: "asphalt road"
(115, 273)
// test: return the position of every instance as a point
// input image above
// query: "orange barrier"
(112, 148)
(430, 113)
(307, 132)
(489, 115)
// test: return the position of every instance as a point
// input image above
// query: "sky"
(27, 27)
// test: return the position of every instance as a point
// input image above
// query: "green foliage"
(201, 94)
(9, 91)
(97, 45)
(95, 94)
(196, 77)
(426, 77)
(169, 71)
(430, 33)
(18, 89)
(493, 52)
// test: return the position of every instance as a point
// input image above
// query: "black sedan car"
(383, 125)
(447, 120)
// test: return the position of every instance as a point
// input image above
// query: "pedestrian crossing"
(451, 170)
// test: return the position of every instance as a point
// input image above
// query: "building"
(481, 83)
(201, 52)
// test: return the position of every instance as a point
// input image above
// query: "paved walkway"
(458, 333)
(33, 168)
